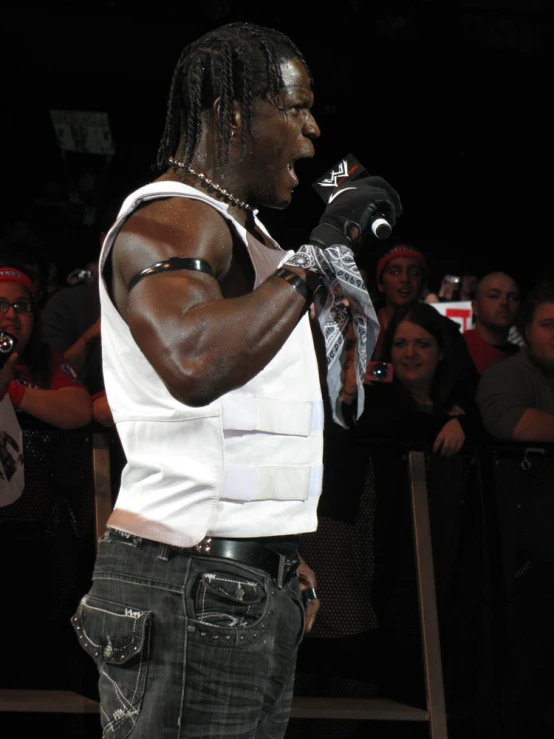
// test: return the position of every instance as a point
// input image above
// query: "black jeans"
(189, 646)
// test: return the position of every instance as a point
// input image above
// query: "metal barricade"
(68, 498)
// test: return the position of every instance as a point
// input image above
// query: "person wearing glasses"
(42, 383)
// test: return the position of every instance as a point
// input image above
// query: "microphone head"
(381, 228)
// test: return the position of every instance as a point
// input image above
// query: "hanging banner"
(83, 132)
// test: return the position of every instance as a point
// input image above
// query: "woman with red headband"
(42, 384)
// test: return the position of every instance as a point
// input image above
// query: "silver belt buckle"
(204, 546)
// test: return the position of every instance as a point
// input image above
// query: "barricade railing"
(69, 485)
(48, 540)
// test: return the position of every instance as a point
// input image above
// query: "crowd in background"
(427, 382)
(70, 324)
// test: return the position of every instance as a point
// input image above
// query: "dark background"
(449, 101)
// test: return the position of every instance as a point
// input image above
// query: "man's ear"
(236, 117)
(474, 308)
(380, 287)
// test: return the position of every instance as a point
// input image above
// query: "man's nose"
(311, 129)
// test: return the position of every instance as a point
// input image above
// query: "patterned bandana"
(343, 283)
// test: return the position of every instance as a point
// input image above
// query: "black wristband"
(308, 595)
(295, 281)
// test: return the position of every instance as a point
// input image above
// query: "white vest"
(249, 464)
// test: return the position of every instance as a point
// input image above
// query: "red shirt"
(63, 375)
(484, 353)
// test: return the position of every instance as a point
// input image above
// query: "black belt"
(246, 552)
(251, 553)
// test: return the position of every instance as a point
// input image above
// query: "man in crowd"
(516, 396)
(516, 401)
(401, 275)
(495, 309)
(196, 610)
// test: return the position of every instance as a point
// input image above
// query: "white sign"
(85, 132)
(460, 312)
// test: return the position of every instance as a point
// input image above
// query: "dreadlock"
(236, 62)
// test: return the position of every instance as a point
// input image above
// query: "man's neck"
(390, 310)
(492, 335)
(546, 368)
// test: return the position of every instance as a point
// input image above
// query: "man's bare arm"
(201, 344)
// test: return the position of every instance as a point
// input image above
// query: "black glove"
(350, 212)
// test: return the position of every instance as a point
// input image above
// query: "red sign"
(460, 312)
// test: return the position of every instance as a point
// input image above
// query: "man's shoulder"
(66, 297)
(174, 214)
(510, 367)
(471, 337)
(174, 226)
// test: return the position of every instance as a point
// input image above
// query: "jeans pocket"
(228, 600)
(117, 638)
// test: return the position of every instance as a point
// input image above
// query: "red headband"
(10, 274)
(402, 250)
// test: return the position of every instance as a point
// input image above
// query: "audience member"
(516, 395)
(82, 275)
(401, 279)
(494, 310)
(468, 286)
(32, 258)
(71, 326)
(454, 289)
(424, 401)
(401, 275)
(43, 384)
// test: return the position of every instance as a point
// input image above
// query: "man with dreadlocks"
(199, 598)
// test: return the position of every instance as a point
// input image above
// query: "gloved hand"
(348, 216)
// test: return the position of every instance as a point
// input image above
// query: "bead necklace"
(225, 194)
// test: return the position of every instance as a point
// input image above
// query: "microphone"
(347, 170)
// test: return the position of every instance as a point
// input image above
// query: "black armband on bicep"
(171, 265)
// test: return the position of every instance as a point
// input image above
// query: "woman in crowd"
(424, 404)
(423, 401)
(42, 385)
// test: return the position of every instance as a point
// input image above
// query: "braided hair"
(236, 62)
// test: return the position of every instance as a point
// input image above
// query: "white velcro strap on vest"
(272, 416)
(244, 483)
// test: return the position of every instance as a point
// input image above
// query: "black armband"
(171, 265)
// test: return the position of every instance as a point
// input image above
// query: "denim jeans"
(189, 646)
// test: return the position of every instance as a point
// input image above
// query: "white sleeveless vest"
(248, 464)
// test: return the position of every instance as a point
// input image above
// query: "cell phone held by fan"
(378, 372)
(8, 342)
